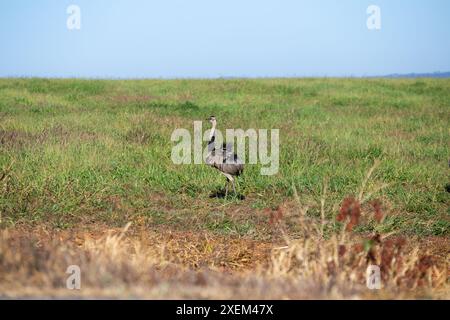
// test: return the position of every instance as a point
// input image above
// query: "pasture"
(82, 158)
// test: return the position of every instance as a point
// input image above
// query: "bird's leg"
(234, 187)
(226, 188)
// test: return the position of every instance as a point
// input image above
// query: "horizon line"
(442, 75)
(434, 75)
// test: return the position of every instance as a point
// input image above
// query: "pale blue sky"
(206, 38)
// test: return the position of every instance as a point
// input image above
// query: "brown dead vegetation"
(142, 263)
(16, 139)
(342, 260)
(140, 136)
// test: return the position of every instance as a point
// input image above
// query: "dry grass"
(115, 265)
(127, 263)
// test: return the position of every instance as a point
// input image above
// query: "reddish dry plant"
(342, 260)
(378, 212)
(350, 208)
(389, 254)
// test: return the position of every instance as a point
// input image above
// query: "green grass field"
(84, 152)
(81, 159)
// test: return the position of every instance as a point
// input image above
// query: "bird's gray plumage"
(223, 159)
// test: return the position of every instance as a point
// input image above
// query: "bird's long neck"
(212, 134)
(212, 138)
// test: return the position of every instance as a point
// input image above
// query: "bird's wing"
(227, 152)
(229, 156)
(228, 147)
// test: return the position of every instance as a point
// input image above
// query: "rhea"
(223, 159)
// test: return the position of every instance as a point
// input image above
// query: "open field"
(81, 157)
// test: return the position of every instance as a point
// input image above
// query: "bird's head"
(212, 120)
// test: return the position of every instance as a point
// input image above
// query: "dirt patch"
(18, 139)
(186, 248)
(15, 138)
(212, 251)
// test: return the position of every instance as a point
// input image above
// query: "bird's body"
(223, 159)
